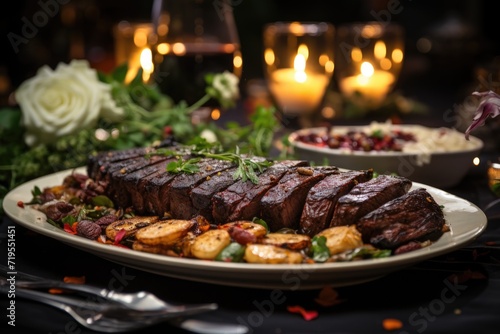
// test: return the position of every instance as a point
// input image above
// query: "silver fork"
(114, 318)
(139, 301)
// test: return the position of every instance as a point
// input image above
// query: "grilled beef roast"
(368, 196)
(241, 200)
(322, 199)
(414, 216)
(282, 205)
(289, 194)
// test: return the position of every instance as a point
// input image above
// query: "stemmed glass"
(298, 67)
(193, 38)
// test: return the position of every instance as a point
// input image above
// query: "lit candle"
(296, 90)
(372, 85)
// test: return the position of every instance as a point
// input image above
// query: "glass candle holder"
(298, 66)
(494, 178)
(369, 58)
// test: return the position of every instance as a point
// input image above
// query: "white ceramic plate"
(466, 221)
(445, 169)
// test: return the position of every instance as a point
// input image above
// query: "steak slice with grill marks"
(180, 204)
(201, 195)
(323, 196)
(133, 183)
(282, 205)
(240, 201)
(414, 216)
(99, 164)
(368, 196)
(116, 187)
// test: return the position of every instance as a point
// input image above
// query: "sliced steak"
(99, 164)
(201, 196)
(116, 188)
(181, 206)
(282, 205)
(240, 201)
(414, 216)
(368, 196)
(133, 183)
(156, 195)
(323, 196)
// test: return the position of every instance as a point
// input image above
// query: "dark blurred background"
(447, 42)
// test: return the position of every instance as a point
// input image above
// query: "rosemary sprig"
(247, 166)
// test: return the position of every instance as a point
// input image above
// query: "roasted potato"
(130, 225)
(287, 240)
(342, 238)
(269, 254)
(256, 229)
(166, 232)
(207, 245)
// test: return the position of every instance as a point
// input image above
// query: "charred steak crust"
(99, 164)
(117, 184)
(368, 196)
(180, 188)
(414, 216)
(282, 205)
(133, 183)
(323, 196)
(240, 201)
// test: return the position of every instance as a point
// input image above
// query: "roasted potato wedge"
(256, 229)
(155, 249)
(130, 225)
(165, 232)
(269, 254)
(342, 238)
(179, 248)
(207, 245)
(287, 240)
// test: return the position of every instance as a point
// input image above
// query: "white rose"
(66, 100)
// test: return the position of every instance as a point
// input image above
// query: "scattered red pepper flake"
(71, 229)
(20, 204)
(74, 279)
(307, 315)
(328, 297)
(391, 324)
(465, 276)
(56, 291)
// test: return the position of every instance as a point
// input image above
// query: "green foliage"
(149, 116)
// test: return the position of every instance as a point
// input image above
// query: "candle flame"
(299, 63)
(146, 61)
(367, 69)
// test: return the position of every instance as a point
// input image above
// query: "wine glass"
(298, 67)
(369, 60)
(193, 38)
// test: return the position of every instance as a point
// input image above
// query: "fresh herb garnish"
(183, 166)
(320, 252)
(247, 166)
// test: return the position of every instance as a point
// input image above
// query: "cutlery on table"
(117, 311)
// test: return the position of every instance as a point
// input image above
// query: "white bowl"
(442, 165)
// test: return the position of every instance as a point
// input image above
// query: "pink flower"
(488, 106)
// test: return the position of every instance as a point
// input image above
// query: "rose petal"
(307, 315)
